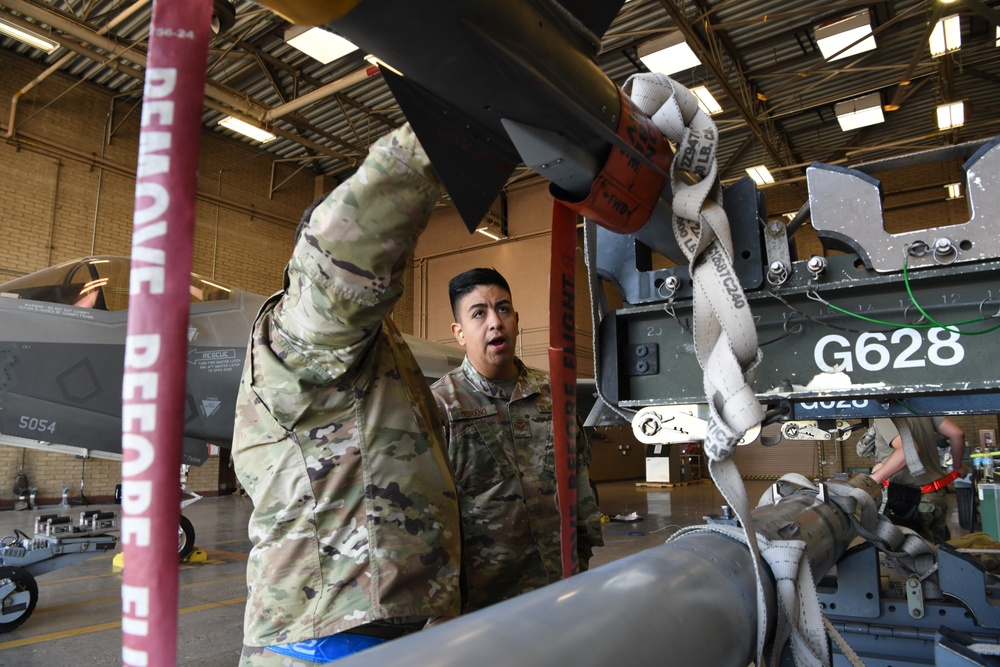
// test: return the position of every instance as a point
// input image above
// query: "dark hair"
(307, 215)
(465, 282)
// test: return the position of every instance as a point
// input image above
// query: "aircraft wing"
(62, 345)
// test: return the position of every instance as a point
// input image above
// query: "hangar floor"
(77, 619)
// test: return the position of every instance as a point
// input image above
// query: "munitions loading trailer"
(57, 543)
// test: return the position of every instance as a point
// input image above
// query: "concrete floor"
(77, 619)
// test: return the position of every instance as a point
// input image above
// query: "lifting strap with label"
(562, 376)
(725, 337)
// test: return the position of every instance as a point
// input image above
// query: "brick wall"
(65, 193)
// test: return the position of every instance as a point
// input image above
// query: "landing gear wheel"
(17, 605)
(185, 538)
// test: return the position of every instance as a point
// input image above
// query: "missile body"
(691, 601)
(473, 69)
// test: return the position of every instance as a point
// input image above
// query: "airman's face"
(487, 329)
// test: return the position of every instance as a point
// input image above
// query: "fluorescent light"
(946, 36)
(706, 100)
(954, 190)
(668, 54)
(951, 115)
(859, 112)
(318, 43)
(760, 175)
(485, 231)
(246, 129)
(839, 34)
(28, 37)
(381, 63)
(492, 228)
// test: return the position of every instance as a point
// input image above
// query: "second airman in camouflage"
(500, 442)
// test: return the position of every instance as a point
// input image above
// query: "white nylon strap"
(913, 461)
(800, 618)
(911, 552)
(724, 334)
(799, 603)
(985, 649)
(797, 591)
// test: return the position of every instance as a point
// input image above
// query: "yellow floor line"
(91, 601)
(67, 580)
(228, 555)
(28, 641)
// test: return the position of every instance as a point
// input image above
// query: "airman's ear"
(456, 331)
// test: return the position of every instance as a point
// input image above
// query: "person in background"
(355, 526)
(498, 414)
(931, 506)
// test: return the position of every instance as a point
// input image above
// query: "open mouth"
(497, 343)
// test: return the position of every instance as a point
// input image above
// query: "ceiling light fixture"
(946, 36)
(372, 60)
(318, 43)
(494, 224)
(28, 37)
(834, 37)
(668, 54)
(760, 175)
(954, 190)
(859, 112)
(950, 115)
(706, 100)
(491, 233)
(246, 129)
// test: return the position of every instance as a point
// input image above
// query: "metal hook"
(983, 315)
(920, 320)
(796, 328)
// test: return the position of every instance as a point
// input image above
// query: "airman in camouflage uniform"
(932, 508)
(500, 442)
(337, 440)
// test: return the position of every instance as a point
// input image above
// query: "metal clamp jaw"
(846, 209)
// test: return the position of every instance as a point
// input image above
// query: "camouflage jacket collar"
(527, 383)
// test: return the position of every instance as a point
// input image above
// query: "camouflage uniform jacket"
(501, 450)
(337, 440)
(924, 430)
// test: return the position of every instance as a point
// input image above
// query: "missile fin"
(472, 162)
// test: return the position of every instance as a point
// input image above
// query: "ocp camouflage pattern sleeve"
(346, 271)
(337, 441)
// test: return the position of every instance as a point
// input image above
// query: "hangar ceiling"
(760, 60)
